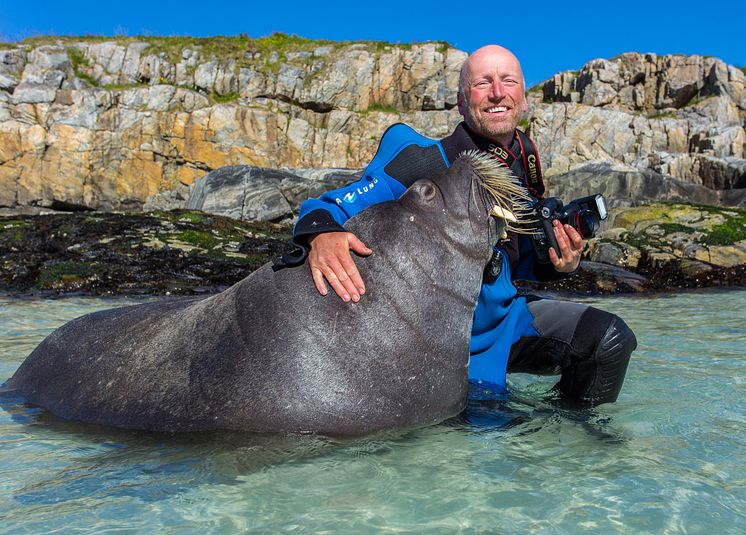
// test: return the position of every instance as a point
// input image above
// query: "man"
(589, 347)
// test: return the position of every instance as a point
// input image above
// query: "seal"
(270, 354)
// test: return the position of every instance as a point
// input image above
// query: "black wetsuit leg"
(590, 348)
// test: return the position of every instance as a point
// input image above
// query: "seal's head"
(466, 200)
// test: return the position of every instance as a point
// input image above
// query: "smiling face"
(491, 95)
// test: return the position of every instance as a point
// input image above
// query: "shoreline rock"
(169, 253)
(657, 248)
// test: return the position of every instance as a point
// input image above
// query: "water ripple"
(667, 458)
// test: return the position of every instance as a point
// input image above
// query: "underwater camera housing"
(584, 215)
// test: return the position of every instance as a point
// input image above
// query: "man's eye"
(483, 83)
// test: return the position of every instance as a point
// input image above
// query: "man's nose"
(497, 90)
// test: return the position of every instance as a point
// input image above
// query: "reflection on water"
(668, 457)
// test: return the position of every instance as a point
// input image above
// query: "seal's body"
(271, 354)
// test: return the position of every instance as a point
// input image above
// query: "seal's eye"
(428, 191)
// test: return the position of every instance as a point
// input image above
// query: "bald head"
(491, 93)
(479, 55)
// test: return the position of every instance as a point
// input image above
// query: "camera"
(584, 215)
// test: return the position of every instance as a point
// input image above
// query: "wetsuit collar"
(463, 138)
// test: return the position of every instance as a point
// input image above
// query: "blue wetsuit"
(501, 318)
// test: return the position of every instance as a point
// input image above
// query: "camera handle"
(544, 238)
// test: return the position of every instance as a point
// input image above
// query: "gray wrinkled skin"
(271, 354)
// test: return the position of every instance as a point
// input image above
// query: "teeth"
(497, 109)
(502, 213)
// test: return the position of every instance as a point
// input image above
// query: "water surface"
(668, 457)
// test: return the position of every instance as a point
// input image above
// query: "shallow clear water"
(667, 458)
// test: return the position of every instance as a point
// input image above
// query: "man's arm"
(320, 229)
(403, 156)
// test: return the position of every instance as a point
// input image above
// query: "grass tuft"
(380, 108)
(222, 99)
(79, 61)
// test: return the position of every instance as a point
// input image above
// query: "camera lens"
(586, 223)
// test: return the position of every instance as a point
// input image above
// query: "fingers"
(330, 259)
(554, 259)
(350, 269)
(358, 246)
(318, 280)
(575, 238)
(340, 280)
(570, 244)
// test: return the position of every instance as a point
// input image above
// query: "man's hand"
(330, 258)
(570, 243)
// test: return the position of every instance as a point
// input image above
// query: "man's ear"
(525, 103)
(460, 103)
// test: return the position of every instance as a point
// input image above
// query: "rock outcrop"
(675, 120)
(258, 194)
(133, 122)
(108, 124)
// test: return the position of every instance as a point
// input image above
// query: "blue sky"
(548, 37)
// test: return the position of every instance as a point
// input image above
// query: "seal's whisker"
(499, 186)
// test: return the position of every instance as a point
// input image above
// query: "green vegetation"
(219, 46)
(122, 87)
(663, 115)
(12, 224)
(222, 99)
(189, 215)
(12, 232)
(66, 272)
(717, 226)
(79, 61)
(198, 238)
(733, 230)
(743, 69)
(381, 108)
(240, 48)
(670, 228)
(697, 100)
(538, 88)
(282, 43)
(523, 124)
(263, 54)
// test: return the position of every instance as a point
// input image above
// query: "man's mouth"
(497, 109)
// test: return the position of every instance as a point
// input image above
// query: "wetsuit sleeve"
(403, 157)
(331, 211)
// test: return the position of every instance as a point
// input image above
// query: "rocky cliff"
(107, 124)
(648, 127)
